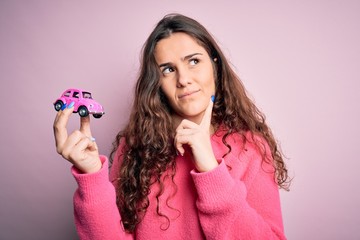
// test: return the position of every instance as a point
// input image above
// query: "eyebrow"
(183, 59)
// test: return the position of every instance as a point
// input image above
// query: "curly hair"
(149, 151)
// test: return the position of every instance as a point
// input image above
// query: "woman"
(196, 159)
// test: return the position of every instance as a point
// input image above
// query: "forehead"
(177, 45)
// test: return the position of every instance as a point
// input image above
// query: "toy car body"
(84, 104)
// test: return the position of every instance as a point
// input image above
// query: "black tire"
(97, 115)
(58, 105)
(83, 111)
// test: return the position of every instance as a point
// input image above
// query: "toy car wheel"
(97, 115)
(58, 105)
(83, 111)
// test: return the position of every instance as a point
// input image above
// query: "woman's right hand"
(79, 147)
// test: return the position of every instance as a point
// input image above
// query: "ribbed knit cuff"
(91, 184)
(213, 186)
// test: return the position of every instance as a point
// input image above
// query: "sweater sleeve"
(95, 210)
(231, 208)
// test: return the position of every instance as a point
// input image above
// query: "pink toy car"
(83, 103)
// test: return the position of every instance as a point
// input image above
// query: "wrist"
(94, 167)
(207, 166)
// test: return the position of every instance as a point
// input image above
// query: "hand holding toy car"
(79, 147)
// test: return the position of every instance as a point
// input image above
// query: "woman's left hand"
(197, 136)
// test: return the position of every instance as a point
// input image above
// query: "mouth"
(189, 93)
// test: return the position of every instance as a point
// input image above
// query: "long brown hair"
(149, 151)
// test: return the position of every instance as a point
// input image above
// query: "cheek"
(209, 79)
(167, 92)
(210, 84)
(164, 87)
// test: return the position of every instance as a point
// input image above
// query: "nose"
(183, 77)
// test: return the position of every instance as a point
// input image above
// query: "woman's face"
(187, 78)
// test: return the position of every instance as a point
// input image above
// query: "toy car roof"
(76, 89)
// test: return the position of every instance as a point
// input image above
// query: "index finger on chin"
(206, 121)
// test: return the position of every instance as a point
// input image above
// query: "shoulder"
(246, 140)
(250, 157)
(252, 149)
(258, 141)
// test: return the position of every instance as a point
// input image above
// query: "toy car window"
(67, 94)
(76, 95)
(86, 95)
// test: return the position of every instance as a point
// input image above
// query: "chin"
(193, 112)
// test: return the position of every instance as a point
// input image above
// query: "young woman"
(196, 159)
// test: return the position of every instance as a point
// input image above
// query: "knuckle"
(56, 127)
(66, 153)
(77, 134)
(59, 150)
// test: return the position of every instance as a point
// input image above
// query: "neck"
(177, 119)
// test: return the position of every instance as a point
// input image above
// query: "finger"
(185, 127)
(85, 126)
(59, 127)
(73, 139)
(179, 146)
(184, 124)
(81, 149)
(186, 131)
(206, 120)
(92, 146)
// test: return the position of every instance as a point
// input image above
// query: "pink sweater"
(237, 200)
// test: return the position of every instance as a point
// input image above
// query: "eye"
(194, 61)
(167, 70)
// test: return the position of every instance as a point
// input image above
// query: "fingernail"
(63, 106)
(92, 139)
(71, 105)
(213, 98)
(178, 153)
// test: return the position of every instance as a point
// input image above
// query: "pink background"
(299, 60)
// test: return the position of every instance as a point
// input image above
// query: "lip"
(188, 93)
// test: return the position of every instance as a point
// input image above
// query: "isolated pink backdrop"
(299, 60)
